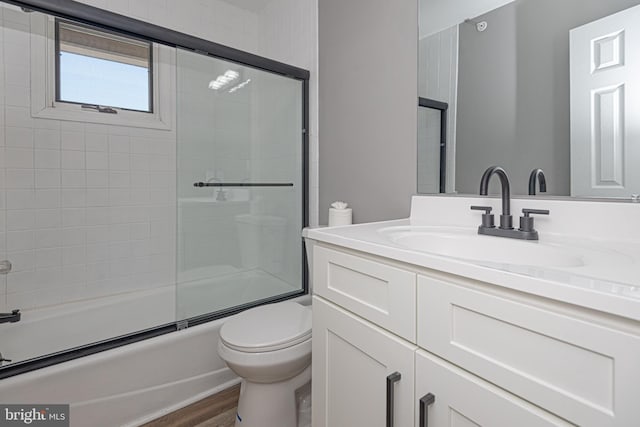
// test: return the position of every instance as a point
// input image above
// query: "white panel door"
(352, 360)
(605, 106)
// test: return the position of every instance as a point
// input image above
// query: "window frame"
(44, 103)
(58, 76)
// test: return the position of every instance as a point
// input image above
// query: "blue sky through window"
(89, 80)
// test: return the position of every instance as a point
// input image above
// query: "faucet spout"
(506, 221)
(537, 174)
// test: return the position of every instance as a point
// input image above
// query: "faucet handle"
(526, 221)
(487, 216)
(528, 212)
(487, 209)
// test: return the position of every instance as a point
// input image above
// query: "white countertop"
(608, 282)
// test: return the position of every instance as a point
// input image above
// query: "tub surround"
(552, 342)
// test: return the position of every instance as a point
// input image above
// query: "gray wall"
(513, 94)
(367, 106)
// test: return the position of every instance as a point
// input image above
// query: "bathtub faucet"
(12, 317)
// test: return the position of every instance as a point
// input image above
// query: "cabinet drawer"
(581, 371)
(380, 293)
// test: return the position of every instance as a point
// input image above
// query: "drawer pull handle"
(425, 402)
(392, 379)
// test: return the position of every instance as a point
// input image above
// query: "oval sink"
(465, 244)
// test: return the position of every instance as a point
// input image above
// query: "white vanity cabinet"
(490, 356)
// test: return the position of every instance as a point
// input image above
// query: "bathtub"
(64, 326)
(132, 384)
(129, 385)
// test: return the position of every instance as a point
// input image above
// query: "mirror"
(527, 84)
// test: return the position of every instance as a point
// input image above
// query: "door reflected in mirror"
(530, 84)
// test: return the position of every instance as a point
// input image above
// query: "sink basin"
(465, 243)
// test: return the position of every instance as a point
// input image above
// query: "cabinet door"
(353, 361)
(464, 400)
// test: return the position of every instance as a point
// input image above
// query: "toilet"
(269, 347)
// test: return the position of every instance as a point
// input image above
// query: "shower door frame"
(90, 15)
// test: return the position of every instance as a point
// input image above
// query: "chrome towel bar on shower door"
(243, 184)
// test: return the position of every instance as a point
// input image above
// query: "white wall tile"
(47, 159)
(73, 140)
(20, 220)
(47, 138)
(19, 178)
(73, 217)
(19, 158)
(17, 95)
(20, 240)
(47, 178)
(20, 199)
(47, 199)
(97, 160)
(96, 142)
(97, 179)
(119, 144)
(74, 178)
(73, 198)
(119, 161)
(74, 255)
(19, 137)
(73, 236)
(73, 159)
(48, 218)
(46, 258)
(48, 238)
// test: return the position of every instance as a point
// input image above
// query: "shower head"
(480, 25)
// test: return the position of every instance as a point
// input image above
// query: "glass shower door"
(240, 185)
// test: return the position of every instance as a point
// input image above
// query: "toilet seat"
(267, 328)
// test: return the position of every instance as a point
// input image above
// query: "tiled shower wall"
(88, 210)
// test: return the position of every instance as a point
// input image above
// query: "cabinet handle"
(425, 401)
(391, 381)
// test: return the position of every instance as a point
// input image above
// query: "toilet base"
(270, 405)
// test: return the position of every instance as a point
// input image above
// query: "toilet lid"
(268, 327)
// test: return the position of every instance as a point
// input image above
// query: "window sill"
(72, 112)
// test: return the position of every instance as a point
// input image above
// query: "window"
(100, 69)
(79, 72)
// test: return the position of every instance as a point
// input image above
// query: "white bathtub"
(64, 326)
(128, 385)
(131, 384)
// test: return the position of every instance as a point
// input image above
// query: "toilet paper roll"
(340, 217)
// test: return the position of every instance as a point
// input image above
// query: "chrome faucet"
(537, 174)
(526, 230)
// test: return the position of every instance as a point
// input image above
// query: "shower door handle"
(391, 382)
(243, 184)
(5, 267)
